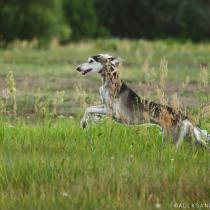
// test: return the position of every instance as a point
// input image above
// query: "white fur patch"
(92, 67)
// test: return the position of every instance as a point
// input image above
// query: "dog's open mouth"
(86, 71)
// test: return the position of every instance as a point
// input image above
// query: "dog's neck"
(111, 80)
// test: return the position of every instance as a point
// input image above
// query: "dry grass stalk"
(4, 102)
(204, 110)
(149, 73)
(160, 90)
(163, 73)
(80, 95)
(41, 104)
(57, 100)
(11, 88)
(37, 102)
(175, 103)
(161, 96)
(203, 77)
(186, 82)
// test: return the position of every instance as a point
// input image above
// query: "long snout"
(78, 68)
(84, 69)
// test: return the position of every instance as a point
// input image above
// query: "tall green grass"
(56, 165)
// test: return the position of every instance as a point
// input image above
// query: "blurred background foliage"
(79, 19)
(29, 19)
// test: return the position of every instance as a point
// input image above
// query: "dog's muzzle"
(83, 72)
(78, 68)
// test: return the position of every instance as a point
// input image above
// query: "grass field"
(48, 162)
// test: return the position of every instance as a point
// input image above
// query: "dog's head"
(98, 64)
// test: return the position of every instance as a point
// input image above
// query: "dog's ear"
(116, 61)
(96, 57)
(102, 58)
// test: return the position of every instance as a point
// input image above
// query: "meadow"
(48, 162)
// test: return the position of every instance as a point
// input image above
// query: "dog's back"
(146, 111)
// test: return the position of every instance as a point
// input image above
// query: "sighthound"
(125, 106)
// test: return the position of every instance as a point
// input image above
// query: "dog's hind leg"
(185, 128)
(205, 134)
(201, 136)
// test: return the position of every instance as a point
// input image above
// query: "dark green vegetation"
(48, 162)
(26, 20)
(182, 19)
(83, 19)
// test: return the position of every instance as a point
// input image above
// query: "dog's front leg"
(99, 110)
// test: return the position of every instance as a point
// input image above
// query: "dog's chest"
(109, 101)
(104, 94)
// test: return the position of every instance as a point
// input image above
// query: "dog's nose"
(78, 68)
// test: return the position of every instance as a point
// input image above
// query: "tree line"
(78, 19)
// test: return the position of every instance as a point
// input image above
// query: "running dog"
(125, 106)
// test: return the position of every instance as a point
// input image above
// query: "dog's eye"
(91, 61)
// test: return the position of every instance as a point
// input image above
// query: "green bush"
(193, 19)
(156, 19)
(83, 20)
(150, 19)
(27, 19)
